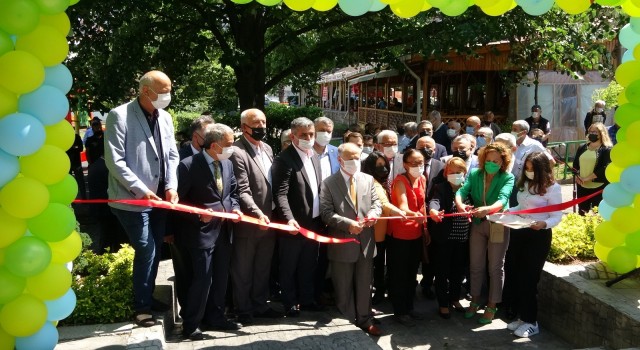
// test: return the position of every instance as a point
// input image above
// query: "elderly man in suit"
(141, 155)
(253, 246)
(346, 198)
(196, 129)
(387, 144)
(296, 187)
(206, 180)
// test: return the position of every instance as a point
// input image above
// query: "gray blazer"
(254, 190)
(338, 212)
(131, 156)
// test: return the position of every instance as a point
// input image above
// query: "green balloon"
(63, 192)
(27, 256)
(52, 7)
(54, 224)
(6, 44)
(622, 259)
(12, 286)
(633, 242)
(18, 16)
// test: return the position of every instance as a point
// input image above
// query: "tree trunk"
(249, 35)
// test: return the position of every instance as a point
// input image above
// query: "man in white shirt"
(388, 145)
(525, 145)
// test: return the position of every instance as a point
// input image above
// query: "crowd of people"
(440, 181)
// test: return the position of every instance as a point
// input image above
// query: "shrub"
(104, 287)
(573, 238)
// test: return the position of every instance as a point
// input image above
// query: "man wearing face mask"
(484, 136)
(196, 129)
(462, 148)
(296, 186)
(388, 145)
(536, 121)
(253, 246)
(142, 158)
(596, 115)
(367, 145)
(441, 131)
(206, 180)
(473, 124)
(347, 197)
(408, 141)
(425, 128)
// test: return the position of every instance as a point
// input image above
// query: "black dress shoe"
(244, 319)
(195, 335)
(377, 298)
(313, 307)
(292, 312)
(158, 306)
(223, 326)
(375, 320)
(269, 313)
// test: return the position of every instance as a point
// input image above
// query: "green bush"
(573, 238)
(104, 287)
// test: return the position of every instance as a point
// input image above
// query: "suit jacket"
(436, 170)
(441, 137)
(338, 211)
(131, 155)
(291, 187)
(196, 187)
(254, 190)
(333, 158)
(440, 152)
(185, 151)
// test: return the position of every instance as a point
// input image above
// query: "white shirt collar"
(193, 149)
(208, 157)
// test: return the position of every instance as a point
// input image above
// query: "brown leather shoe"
(373, 330)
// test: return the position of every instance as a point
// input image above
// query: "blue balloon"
(627, 56)
(355, 8)
(9, 168)
(45, 338)
(21, 134)
(635, 24)
(605, 210)
(59, 77)
(61, 308)
(377, 5)
(629, 179)
(628, 38)
(617, 196)
(46, 103)
(536, 7)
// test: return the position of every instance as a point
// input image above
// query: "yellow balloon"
(324, 5)
(24, 197)
(66, 250)
(390, 1)
(46, 43)
(484, 3)
(299, 5)
(601, 251)
(11, 228)
(633, 133)
(23, 316)
(59, 21)
(573, 7)
(607, 235)
(20, 72)
(625, 220)
(613, 172)
(406, 8)
(48, 165)
(622, 98)
(426, 6)
(60, 135)
(636, 52)
(50, 284)
(624, 154)
(636, 202)
(499, 8)
(631, 9)
(8, 102)
(627, 72)
(7, 341)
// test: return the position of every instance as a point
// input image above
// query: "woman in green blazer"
(489, 188)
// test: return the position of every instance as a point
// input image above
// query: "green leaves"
(574, 238)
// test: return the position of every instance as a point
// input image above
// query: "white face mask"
(323, 138)
(516, 134)
(599, 110)
(305, 145)
(390, 152)
(162, 101)
(226, 153)
(455, 179)
(452, 133)
(351, 166)
(529, 174)
(535, 114)
(367, 150)
(416, 171)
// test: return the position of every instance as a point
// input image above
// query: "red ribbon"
(233, 216)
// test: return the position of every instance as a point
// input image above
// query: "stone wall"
(585, 312)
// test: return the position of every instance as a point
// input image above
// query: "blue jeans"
(146, 233)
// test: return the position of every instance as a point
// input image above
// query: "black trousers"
(528, 250)
(403, 257)
(320, 283)
(591, 202)
(379, 280)
(183, 270)
(450, 259)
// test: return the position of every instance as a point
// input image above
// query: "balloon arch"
(37, 237)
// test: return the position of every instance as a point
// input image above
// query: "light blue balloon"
(21, 134)
(628, 38)
(9, 168)
(635, 24)
(59, 77)
(617, 196)
(46, 103)
(377, 5)
(355, 8)
(536, 7)
(605, 210)
(629, 179)
(627, 56)
(45, 338)
(61, 308)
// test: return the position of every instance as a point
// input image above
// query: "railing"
(563, 150)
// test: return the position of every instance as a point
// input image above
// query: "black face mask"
(425, 133)
(401, 131)
(593, 137)
(538, 138)
(382, 173)
(427, 153)
(258, 133)
(460, 154)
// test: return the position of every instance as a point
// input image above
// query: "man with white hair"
(387, 143)
(525, 145)
(484, 136)
(596, 115)
(462, 148)
(410, 136)
(285, 139)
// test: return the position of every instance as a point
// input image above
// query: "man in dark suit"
(296, 186)
(179, 252)
(327, 156)
(433, 169)
(141, 155)
(253, 246)
(206, 180)
(425, 128)
(440, 132)
(346, 197)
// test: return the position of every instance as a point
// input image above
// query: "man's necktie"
(217, 175)
(352, 192)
